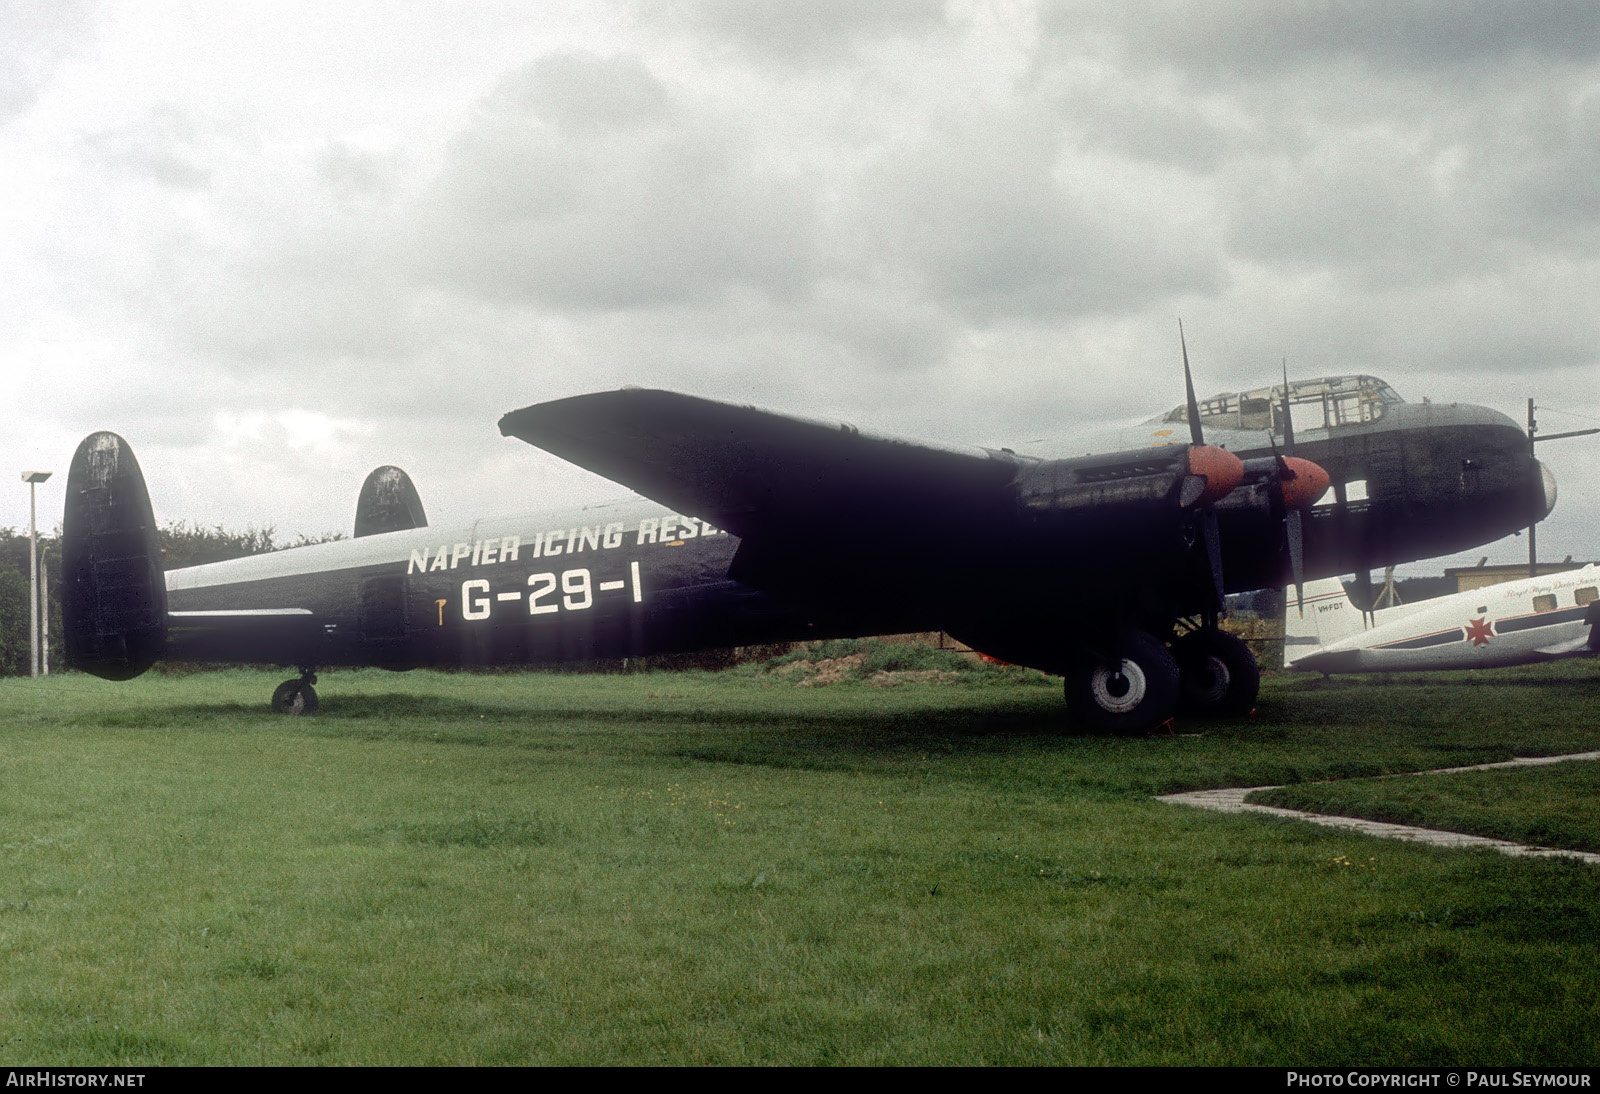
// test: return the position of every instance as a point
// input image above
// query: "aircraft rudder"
(388, 502)
(114, 590)
(1328, 616)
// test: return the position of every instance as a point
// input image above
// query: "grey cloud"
(1362, 150)
(1524, 318)
(1363, 199)
(1484, 331)
(1530, 161)
(882, 332)
(322, 295)
(797, 30)
(354, 173)
(167, 148)
(302, 310)
(981, 222)
(1142, 123)
(1433, 193)
(1243, 36)
(35, 36)
(672, 207)
(583, 91)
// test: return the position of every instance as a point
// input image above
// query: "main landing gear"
(296, 696)
(1130, 693)
(1219, 674)
(1142, 684)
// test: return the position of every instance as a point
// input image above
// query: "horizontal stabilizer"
(1566, 649)
(277, 636)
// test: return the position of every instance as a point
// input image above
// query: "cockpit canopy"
(1325, 403)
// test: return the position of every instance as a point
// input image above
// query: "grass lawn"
(733, 869)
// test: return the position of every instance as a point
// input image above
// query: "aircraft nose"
(1547, 481)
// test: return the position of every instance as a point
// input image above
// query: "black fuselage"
(613, 582)
(633, 579)
(1037, 559)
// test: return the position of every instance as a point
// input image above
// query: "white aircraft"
(1535, 619)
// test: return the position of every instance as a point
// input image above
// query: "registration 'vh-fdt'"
(753, 527)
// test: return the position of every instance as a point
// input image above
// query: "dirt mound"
(835, 670)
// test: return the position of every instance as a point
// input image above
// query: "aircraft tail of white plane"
(1327, 616)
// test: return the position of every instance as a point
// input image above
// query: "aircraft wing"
(760, 474)
(828, 514)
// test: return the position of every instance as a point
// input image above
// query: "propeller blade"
(1288, 422)
(1297, 562)
(1222, 471)
(1193, 404)
(1303, 483)
(1364, 582)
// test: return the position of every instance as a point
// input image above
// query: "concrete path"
(1232, 801)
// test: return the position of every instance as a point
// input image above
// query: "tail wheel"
(1219, 674)
(294, 697)
(1133, 694)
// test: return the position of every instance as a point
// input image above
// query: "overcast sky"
(275, 244)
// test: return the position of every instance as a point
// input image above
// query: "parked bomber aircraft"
(1107, 568)
(1514, 623)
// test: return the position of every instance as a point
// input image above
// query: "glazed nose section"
(1547, 482)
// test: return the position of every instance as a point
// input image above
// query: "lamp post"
(44, 612)
(33, 479)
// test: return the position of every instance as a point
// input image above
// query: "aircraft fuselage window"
(1545, 603)
(1255, 413)
(1586, 595)
(1351, 409)
(1354, 490)
(1307, 416)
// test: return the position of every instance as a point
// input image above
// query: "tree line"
(182, 544)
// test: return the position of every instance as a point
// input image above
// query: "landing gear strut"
(1130, 693)
(296, 696)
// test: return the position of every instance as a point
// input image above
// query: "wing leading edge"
(756, 473)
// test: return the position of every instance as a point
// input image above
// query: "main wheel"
(1219, 674)
(294, 697)
(1132, 695)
